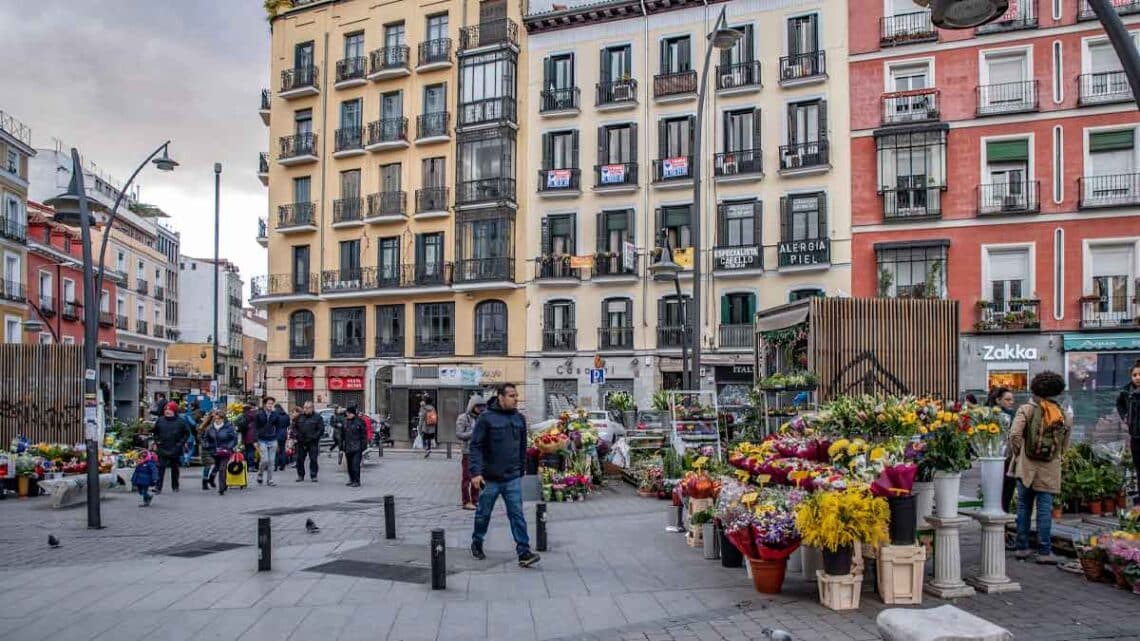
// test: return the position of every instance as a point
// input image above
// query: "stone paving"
(612, 573)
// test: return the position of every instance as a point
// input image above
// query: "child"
(145, 475)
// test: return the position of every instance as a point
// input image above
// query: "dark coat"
(145, 475)
(272, 426)
(310, 428)
(281, 423)
(1128, 407)
(224, 437)
(171, 435)
(355, 435)
(498, 444)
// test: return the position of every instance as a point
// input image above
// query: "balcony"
(739, 164)
(349, 142)
(389, 346)
(559, 101)
(387, 206)
(433, 275)
(106, 319)
(490, 343)
(678, 169)
(1120, 190)
(555, 183)
(348, 212)
(347, 280)
(1007, 98)
(906, 204)
(906, 28)
(673, 336)
(387, 133)
(1123, 7)
(812, 253)
(434, 54)
(616, 94)
(121, 322)
(1000, 199)
(141, 327)
(13, 290)
(616, 177)
(493, 33)
(70, 310)
(485, 191)
(432, 202)
(300, 352)
(433, 127)
(350, 72)
(435, 345)
(12, 229)
(1109, 312)
(556, 270)
(142, 286)
(263, 109)
(159, 293)
(297, 149)
(1020, 15)
(805, 158)
(1001, 316)
(296, 217)
(47, 306)
(562, 339)
(614, 266)
(475, 271)
(742, 77)
(1104, 88)
(737, 336)
(389, 62)
(905, 107)
(263, 232)
(263, 168)
(285, 286)
(803, 68)
(612, 339)
(296, 83)
(490, 111)
(672, 87)
(159, 332)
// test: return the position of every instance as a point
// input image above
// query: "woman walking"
(220, 439)
(1128, 407)
(1039, 438)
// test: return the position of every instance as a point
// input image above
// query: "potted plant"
(25, 472)
(1087, 482)
(835, 521)
(894, 484)
(946, 454)
(1092, 558)
(1111, 481)
(987, 438)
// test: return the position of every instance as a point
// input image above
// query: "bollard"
(264, 546)
(540, 526)
(449, 450)
(389, 516)
(380, 449)
(438, 560)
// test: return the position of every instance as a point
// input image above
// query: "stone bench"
(944, 623)
(72, 490)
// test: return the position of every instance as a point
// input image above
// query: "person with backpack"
(428, 423)
(1039, 438)
(1128, 407)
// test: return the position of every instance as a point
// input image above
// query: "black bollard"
(449, 450)
(380, 449)
(389, 516)
(540, 526)
(438, 560)
(264, 545)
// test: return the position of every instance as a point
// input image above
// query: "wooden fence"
(41, 393)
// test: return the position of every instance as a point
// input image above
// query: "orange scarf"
(1051, 413)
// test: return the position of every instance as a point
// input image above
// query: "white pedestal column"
(993, 578)
(948, 583)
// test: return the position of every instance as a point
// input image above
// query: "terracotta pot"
(1095, 507)
(1056, 514)
(1109, 506)
(1093, 569)
(22, 483)
(768, 576)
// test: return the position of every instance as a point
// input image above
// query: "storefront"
(398, 389)
(346, 386)
(986, 361)
(299, 385)
(1096, 367)
(558, 384)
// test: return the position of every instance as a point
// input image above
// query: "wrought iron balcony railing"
(1007, 97)
(390, 345)
(1104, 87)
(672, 336)
(616, 174)
(735, 76)
(348, 210)
(737, 336)
(614, 264)
(905, 28)
(803, 65)
(432, 125)
(560, 339)
(804, 155)
(556, 180)
(503, 31)
(556, 267)
(918, 105)
(394, 58)
(1009, 198)
(297, 145)
(284, 285)
(349, 138)
(388, 130)
(676, 168)
(615, 338)
(434, 51)
(1022, 15)
(387, 203)
(300, 78)
(1008, 315)
(490, 342)
(1109, 312)
(296, 215)
(351, 69)
(738, 162)
(432, 199)
(901, 204)
(501, 109)
(674, 84)
(617, 92)
(475, 270)
(485, 190)
(1117, 190)
(556, 99)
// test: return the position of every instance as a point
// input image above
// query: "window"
(391, 106)
(303, 55)
(912, 172)
(1006, 84)
(390, 178)
(1104, 79)
(121, 262)
(435, 328)
(738, 224)
(803, 34)
(803, 231)
(801, 294)
(301, 269)
(388, 262)
(617, 64)
(350, 115)
(350, 260)
(1112, 153)
(433, 170)
(911, 271)
(617, 312)
(354, 45)
(915, 105)
(13, 329)
(13, 161)
(429, 256)
(347, 332)
(68, 291)
(740, 53)
(737, 309)
(1007, 172)
(558, 72)
(672, 312)
(614, 229)
(675, 55)
(1112, 281)
(488, 76)
(105, 302)
(350, 184)
(47, 290)
(559, 235)
(140, 270)
(394, 35)
(45, 338)
(437, 27)
(390, 330)
(301, 334)
(675, 137)
(807, 122)
(676, 220)
(617, 144)
(302, 190)
(491, 327)
(1008, 276)
(558, 329)
(742, 130)
(303, 122)
(489, 158)
(435, 98)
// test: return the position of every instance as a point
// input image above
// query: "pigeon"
(311, 527)
(776, 635)
(52, 541)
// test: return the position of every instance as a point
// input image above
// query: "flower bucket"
(903, 527)
(1095, 508)
(993, 473)
(768, 576)
(710, 541)
(730, 557)
(838, 562)
(22, 486)
(946, 492)
(923, 493)
(1093, 569)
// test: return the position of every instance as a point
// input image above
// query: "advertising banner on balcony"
(675, 167)
(628, 256)
(578, 262)
(613, 174)
(558, 179)
(683, 256)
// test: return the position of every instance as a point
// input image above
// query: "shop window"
(911, 271)
(1015, 380)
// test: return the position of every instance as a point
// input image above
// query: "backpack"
(1045, 433)
(431, 418)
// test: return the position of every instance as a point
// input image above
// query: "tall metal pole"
(1121, 42)
(686, 375)
(217, 221)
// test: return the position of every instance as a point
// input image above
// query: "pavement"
(186, 569)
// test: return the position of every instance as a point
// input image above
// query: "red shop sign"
(346, 383)
(344, 372)
(299, 383)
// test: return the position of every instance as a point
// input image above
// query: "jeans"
(268, 452)
(144, 493)
(250, 451)
(511, 491)
(1025, 499)
(281, 461)
(1136, 460)
(353, 464)
(311, 450)
(219, 470)
(468, 493)
(168, 462)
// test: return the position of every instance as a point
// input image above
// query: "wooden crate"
(900, 572)
(839, 592)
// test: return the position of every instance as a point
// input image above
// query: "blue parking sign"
(597, 376)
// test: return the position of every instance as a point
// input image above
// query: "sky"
(115, 78)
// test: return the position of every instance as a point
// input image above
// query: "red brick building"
(1000, 167)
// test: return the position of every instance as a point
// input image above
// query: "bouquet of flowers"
(699, 485)
(946, 442)
(832, 520)
(551, 441)
(895, 480)
(988, 436)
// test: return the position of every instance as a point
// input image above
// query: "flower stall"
(58, 469)
(567, 458)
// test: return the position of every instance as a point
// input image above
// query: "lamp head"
(725, 38)
(33, 326)
(963, 14)
(166, 163)
(66, 206)
(665, 269)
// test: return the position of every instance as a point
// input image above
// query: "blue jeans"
(1025, 498)
(511, 492)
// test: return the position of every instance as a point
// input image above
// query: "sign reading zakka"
(1007, 352)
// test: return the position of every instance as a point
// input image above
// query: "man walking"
(171, 434)
(464, 427)
(281, 423)
(310, 429)
(497, 462)
(354, 441)
(267, 441)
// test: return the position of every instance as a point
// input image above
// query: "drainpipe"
(646, 215)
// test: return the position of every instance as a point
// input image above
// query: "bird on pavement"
(52, 541)
(776, 635)
(311, 527)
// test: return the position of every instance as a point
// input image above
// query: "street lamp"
(665, 269)
(73, 209)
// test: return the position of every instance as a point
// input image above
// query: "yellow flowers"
(922, 429)
(837, 448)
(877, 453)
(831, 520)
(700, 463)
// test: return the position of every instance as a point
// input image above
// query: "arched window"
(301, 334)
(491, 327)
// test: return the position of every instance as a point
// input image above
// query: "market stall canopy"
(783, 316)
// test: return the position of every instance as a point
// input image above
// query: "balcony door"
(1105, 70)
(615, 228)
(617, 64)
(909, 78)
(1006, 75)
(737, 309)
(302, 190)
(617, 144)
(560, 150)
(1008, 276)
(559, 72)
(435, 99)
(1007, 168)
(433, 173)
(675, 55)
(803, 35)
(390, 178)
(491, 10)
(741, 52)
(301, 269)
(437, 27)
(303, 125)
(676, 136)
(805, 123)
(388, 261)
(429, 256)
(303, 55)
(350, 260)
(354, 46)
(349, 187)
(394, 36)
(559, 240)
(741, 130)
(490, 239)
(1112, 280)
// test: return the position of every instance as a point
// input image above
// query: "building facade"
(1035, 224)
(254, 333)
(15, 152)
(196, 276)
(611, 157)
(394, 235)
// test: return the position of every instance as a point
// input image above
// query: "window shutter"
(725, 311)
(758, 228)
(630, 221)
(721, 224)
(1014, 150)
(605, 69)
(633, 149)
(662, 136)
(747, 44)
(548, 316)
(750, 311)
(1111, 140)
(686, 62)
(664, 56)
(629, 312)
(547, 152)
(692, 133)
(574, 150)
(601, 145)
(793, 44)
(661, 311)
(822, 119)
(756, 134)
(573, 233)
(548, 72)
(600, 232)
(572, 320)
(793, 134)
(785, 229)
(822, 204)
(571, 78)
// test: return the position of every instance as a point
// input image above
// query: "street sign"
(597, 376)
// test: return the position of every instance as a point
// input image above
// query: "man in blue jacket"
(497, 461)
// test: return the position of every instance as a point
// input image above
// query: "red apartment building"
(999, 166)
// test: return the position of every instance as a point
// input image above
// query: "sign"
(1008, 352)
(613, 174)
(463, 376)
(214, 390)
(301, 383)
(91, 427)
(628, 256)
(737, 257)
(597, 376)
(675, 167)
(89, 374)
(814, 251)
(557, 178)
(734, 373)
(1101, 342)
(345, 383)
(578, 262)
(683, 257)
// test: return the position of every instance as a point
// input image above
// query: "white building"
(196, 303)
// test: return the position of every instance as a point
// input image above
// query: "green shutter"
(751, 317)
(1111, 140)
(724, 311)
(1007, 151)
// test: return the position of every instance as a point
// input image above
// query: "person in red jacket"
(367, 426)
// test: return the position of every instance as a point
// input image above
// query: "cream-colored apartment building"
(395, 233)
(611, 125)
(15, 151)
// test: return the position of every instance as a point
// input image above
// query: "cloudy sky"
(117, 77)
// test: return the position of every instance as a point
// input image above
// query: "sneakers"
(270, 483)
(477, 551)
(314, 479)
(1048, 559)
(259, 479)
(1022, 555)
(528, 558)
(301, 479)
(469, 506)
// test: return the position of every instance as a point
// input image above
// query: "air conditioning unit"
(623, 92)
(727, 81)
(792, 71)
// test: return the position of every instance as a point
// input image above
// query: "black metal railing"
(70, 310)
(1104, 87)
(387, 130)
(159, 292)
(1123, 7)
(1023, 15)
(615, 174)
(304, 350)
(263, 163)
(387, 203)
(352, 348)
(13, 290)
(555, 180)
(1008, 315)
(490, 342)
(559, 339)
(432, 125)
(741, 74)
(906, 28)
(434, 51)
(1009, 198)
(158, 331)
(803, 155)
(672, 336)
(474, 270)
(612, 338)
(142, 286)
(503, 31)
(1007, 97)
(349, 138)
(490, 110)
(918, 105)
(121, 322)
(434, 345)
(47, 305)
(13, 229)
(296, 215)
(348, 280)
(676, 168)
(1110, 191)
(391, 58)
(740, 161)
(907, 203)
(485, 190)
(297, 145)
(559, 99)
(264, 100)
(737, 336)
(389, 345)
(555, 267)
(106, 319)
(614, 264)
(348, 210)
(434, 274)
(1109, 312)
(802, 65)
(674, 84)
(140, 327)
(351, 68)
(293, 79)
(431, 199)
(284, 285)
(616, 92)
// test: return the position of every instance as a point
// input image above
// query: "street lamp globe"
(664, 269)
(66, 206)
(963, 14)
(725, 38)
(166, 163)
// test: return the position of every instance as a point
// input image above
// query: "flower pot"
(559, 496)
(710, 540)
(673, 518)
(946, 492)
(768, 576)
(1093, 569)
(1057, 514)
(1109, 506)
(923, 493)
(1095, 508)
(993, 473)
(730, 557)
(903, 527)
(837, 562)
(22, 483)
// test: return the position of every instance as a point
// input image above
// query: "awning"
(123, 355)
(1101, 342)
(782, 316)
